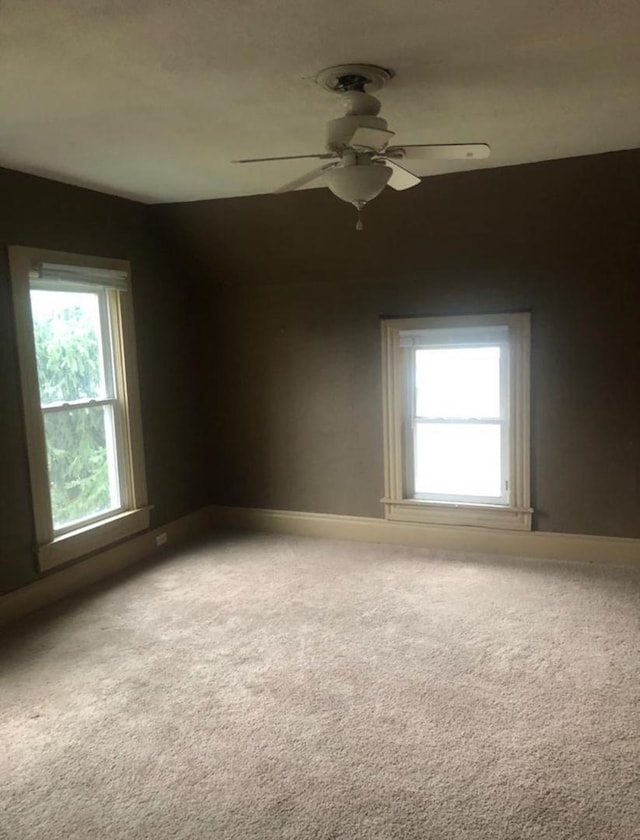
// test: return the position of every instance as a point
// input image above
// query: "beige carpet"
(268, 687)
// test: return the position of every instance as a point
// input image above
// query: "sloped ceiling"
(153, 99)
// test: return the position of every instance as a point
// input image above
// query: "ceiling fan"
(360, 160)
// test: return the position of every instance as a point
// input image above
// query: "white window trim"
(53, 550)
(398, 504)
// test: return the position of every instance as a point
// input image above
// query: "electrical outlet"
(161, 539)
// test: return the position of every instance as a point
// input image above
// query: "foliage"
(68, 356)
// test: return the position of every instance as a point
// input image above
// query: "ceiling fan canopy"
(361, 162)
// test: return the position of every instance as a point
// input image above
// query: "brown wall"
(295, 296)
(45, 214)
(259, 347)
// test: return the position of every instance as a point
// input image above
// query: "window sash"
(107, 301)
(502, 499)
(112, 384)
(84, 402)
(115, 442)
(468, 338)
(113, 390)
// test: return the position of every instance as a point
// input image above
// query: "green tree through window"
(69, 363)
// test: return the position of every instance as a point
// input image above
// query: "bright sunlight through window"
(458, 427)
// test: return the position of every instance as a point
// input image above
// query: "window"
(456, 407)
(77, 358)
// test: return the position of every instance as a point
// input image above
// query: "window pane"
(83, 474)
(458, 459)
(66, 328)
(458, 382)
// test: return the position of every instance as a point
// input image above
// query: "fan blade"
(323, 156)
(401, 178)
(448, 151)
(305, 179)
(372, 139)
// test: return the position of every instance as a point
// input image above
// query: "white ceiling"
(152, 99)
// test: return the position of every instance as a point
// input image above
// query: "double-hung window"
(77, 358)
(456, 402)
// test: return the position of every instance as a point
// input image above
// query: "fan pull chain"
(359, 205)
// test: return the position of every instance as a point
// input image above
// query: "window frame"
(54, 547)
(400, 505)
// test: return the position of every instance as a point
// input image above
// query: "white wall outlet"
(161, 539)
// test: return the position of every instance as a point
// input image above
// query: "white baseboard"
(64, 582)
(541, 544)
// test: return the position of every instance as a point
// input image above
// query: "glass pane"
(66, 328)
(458, 382)
(458, 459)
(81, 458)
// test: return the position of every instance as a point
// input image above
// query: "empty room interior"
(319, 420)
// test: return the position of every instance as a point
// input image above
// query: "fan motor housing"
(341, 130)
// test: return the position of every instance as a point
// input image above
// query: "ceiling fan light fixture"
(358, 184)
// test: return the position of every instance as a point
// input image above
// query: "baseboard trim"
(540, 544)
(63, 582)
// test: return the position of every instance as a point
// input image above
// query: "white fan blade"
(322, 156)
(372, 139)
(401, 178)
(447, 151)
(305, 179)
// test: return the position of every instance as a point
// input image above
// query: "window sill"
(445, 513)
(92, 538)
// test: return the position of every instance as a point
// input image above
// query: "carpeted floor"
(264, 687)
